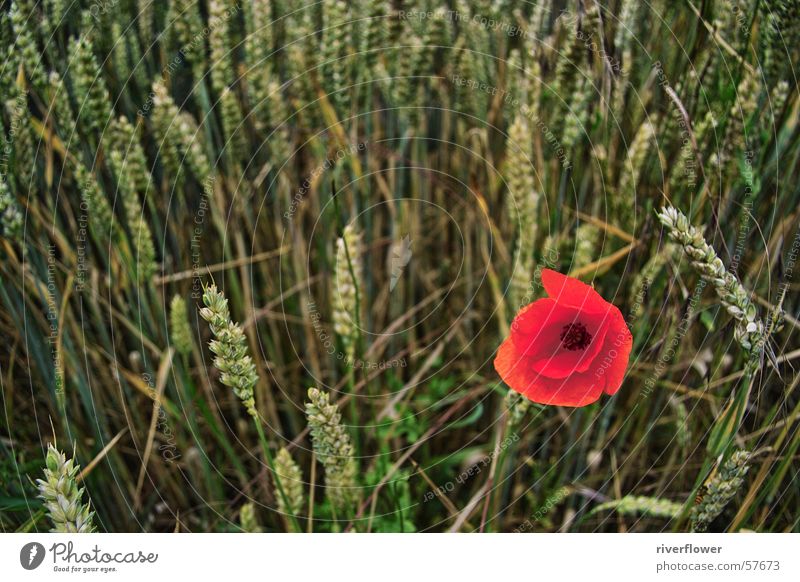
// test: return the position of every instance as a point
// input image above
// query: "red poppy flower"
(566, 349)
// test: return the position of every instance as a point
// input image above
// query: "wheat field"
(258, 258)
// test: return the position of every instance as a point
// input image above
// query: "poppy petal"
(514, 368)
(530, 318)
(576, 390)
(517, 373)
(617, 348)
(572, 292)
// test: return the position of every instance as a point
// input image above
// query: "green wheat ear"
(62, 496)
(60, 112)
(587, 235)
(625, 34)
(10, 215)
(23, 23)
(634, 165)
(639, 505)
(567, 68)
(220, 60)
(750, 329)
(123, 137)
(229, 346)
(24, 141)
(90, 88)
(186, 26)
(778, 19)
(291, 478)
(180, 331)
(101, 217)
(577, 124)
(178, 137)
(333, 449)
(721, 490)
(519, 175)
(736, 134)
(248, 519)
(348, 284)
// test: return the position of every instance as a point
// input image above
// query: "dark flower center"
(575, 337)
